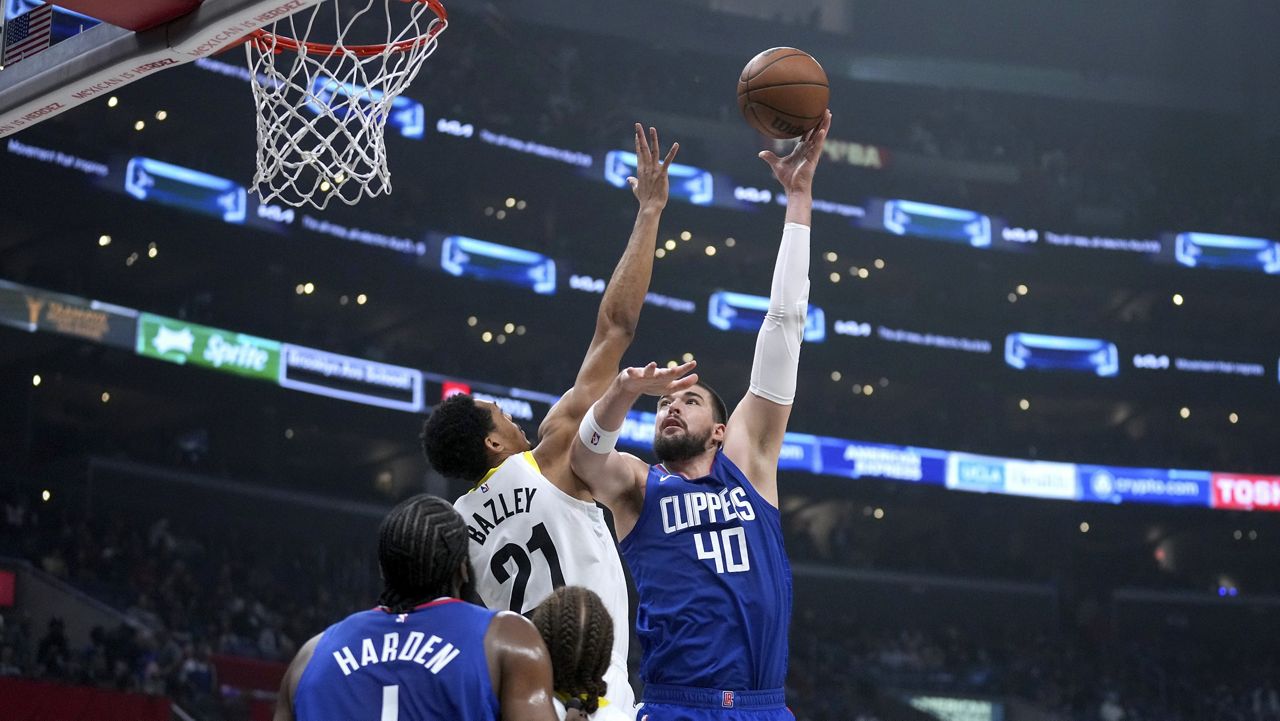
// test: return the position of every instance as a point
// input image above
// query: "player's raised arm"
(756, 429)
(617, 479)
(623, 298)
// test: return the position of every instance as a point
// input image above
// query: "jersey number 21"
(539, 540)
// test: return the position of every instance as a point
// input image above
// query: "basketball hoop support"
(105, 58)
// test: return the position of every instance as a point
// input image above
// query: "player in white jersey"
(533, 524)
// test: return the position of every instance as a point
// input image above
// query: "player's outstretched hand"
(795, 171)
(654, 381)
(650, 181)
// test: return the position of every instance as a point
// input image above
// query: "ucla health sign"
(186, 343)
(1037, 479)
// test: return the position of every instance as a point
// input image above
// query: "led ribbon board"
(1208, 250)
(471, 258)
(173, 185)
(351, 379)
(745, 313)
(34, 310)
(1061, 353)
(688, 183)
(185, 343)
(937, 222)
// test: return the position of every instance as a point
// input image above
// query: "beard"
(679, 447)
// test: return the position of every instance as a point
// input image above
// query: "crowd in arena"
(187, 596)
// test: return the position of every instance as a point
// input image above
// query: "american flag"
(27, 34)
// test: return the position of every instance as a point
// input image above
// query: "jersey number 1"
(540, 540)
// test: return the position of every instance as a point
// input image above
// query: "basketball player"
(579, 634)
(533, 524)
(701, 531)
(422, 654)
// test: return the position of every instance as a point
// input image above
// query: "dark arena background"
(1032, 471)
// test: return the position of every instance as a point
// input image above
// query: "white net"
(323, 110)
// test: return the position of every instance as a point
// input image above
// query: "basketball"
(783, 92)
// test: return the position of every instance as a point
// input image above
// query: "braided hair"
(421, 545)
(578, 632)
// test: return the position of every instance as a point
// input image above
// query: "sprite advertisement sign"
(184, 343)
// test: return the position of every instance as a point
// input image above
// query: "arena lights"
(288, 434)
(520, 330)
(1234, 418)
(521, 205)
(831, 256)
(835, 277)
(1013, 297)
(836, 376)
(730, 242)
(510, 327)
(670, 244)
(1024, 404)
(104, 241)
(106, 397)
(868, 390)
(863, 273)
(36, 380)
(472, 320)
(510, 202)
(686, 235)
(162, 115)
(1022, 289)
(133, 258)
(500, 215)
(1253, 535)
(308, 288)
(1185, 412)
(1238, 534)
(1177, 299)
(362, 299)
(140, 125)
(686, 357)
(878, 514)
(710, 250)
(1084, 526)
(152, 251)
(879, 264)
(45, 495)
(486, 336)
(113, 101)
(660, 253)
(500, 339)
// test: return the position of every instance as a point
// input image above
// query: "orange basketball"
(783, 92)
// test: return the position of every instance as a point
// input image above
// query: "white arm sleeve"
(777, 360)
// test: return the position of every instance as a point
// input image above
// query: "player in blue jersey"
(422, 654)
(701, 531)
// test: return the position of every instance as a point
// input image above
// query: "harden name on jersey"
(417, 648)
(501, 507)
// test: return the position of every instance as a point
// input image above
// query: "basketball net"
(323, 108)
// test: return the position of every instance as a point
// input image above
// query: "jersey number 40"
(720, 548)
(539, 540)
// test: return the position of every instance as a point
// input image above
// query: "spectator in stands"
(53, 655)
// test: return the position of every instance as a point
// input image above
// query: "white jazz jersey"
(529, 538)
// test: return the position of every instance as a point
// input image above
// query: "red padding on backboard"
(135, 15)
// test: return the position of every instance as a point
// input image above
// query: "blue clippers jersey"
(714, 582)
(429, 664)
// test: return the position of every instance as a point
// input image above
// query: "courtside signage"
(351, 379)
(184, 343)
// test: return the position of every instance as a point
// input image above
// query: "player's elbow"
(618, 324)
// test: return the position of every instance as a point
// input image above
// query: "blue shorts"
(686, 703)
